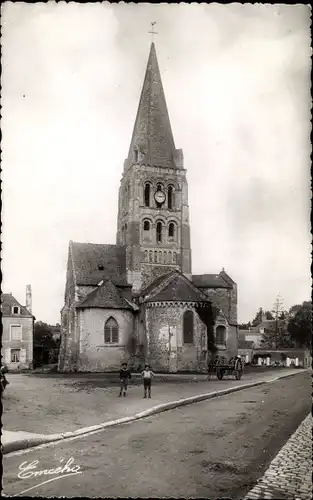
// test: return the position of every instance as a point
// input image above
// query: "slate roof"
(8, 301)
(152, 133)
(87, 257)
(105, 296)
(210, 281)
(177, 289)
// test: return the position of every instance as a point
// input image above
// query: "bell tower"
(153, 211)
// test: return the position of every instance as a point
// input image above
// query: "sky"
(237, 84)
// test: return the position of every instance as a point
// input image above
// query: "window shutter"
(7, 355)
(23, 356)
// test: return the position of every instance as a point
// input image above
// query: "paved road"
(217, 448)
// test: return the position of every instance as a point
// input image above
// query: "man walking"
(125, 376)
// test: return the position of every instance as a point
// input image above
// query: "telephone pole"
(277, 310)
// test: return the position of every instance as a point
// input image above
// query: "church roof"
(152, 135)
(94, 262)
(105, 296)
(210, 281)
(8, 301)
(177, 288)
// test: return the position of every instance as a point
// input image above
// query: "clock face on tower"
(159, 197)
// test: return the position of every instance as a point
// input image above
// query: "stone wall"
(225, 299)
(163, 320)
(94, 354)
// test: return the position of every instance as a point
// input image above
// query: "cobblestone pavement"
(289, 475)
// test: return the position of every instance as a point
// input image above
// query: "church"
(138, 301)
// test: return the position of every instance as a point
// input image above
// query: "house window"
(111, 331)
(170, 197)
(16, 332)
(188, 327)
(15, 355)
(221, 335)
(146, 225)
(15, 310)
(147, 195)
(171, 230)
(159, 232)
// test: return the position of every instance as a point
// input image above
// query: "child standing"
(125, 376)
(147, 375)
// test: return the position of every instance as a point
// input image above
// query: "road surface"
(216, 448)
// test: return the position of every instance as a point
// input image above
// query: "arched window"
(146, 225)
(150, 256)
(221, 335)
(111, 331)
(159, 187)
(146, 255)
(147, 195)
(159, 232)
(170, 197)
(155, 256)
(165, 258)
(188, 327)
(171, 230)
(160, 257)
(174, 257)
(170, 257)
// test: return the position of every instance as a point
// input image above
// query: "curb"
(49, 438)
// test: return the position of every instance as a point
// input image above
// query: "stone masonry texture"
(289, 475)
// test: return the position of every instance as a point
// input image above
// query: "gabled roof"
(152, 134)
(106, 296)
(210, 281)
(8, 301)
(94, 262)
(175, 287)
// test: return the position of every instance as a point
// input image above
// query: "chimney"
(29, 298)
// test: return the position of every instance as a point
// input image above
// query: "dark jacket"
(125, 374)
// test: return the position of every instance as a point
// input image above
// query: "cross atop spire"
(152, 31)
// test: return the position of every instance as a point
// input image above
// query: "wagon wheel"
(238, 369)
(220, 374)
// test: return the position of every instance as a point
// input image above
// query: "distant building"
(17, 331)
(245, 350)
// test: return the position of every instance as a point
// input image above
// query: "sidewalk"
(289, 475)
(54, 406)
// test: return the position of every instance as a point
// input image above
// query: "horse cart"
(221, 367)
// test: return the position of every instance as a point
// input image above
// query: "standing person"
(147, 375)
(125, 375)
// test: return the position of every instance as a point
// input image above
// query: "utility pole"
(277, 310)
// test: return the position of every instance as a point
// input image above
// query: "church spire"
(152, 140)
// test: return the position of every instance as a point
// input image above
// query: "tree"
(276, 336)
(300, 325)
(244, 326)
(45, 347)
(260, 315)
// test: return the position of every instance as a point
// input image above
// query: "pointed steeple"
(152, 140)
